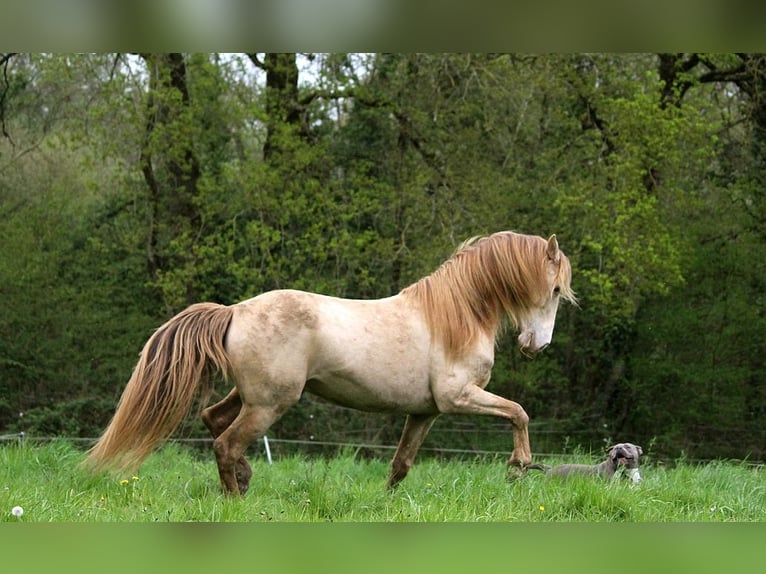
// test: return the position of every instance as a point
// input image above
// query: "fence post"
(268, 450)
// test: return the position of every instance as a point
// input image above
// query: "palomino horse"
(426, 351)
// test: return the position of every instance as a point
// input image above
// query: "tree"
(747, 72)
(133, 185)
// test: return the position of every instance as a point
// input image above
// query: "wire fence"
(337, 446)
(314, 443)
(320, 428)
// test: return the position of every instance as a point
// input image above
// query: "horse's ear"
(552, 251)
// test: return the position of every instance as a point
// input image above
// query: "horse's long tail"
(175, 364)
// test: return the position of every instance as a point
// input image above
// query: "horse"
(424, 352)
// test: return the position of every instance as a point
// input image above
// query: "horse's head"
(537, 322)
(506, 274)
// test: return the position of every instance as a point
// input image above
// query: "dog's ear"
(639, 449)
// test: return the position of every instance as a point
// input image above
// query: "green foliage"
(62, 298)
(79, 417)
(629, 248)
(698, 364)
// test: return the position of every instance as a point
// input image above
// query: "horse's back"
(280, 313)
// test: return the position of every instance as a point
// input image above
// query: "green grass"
(175, 485)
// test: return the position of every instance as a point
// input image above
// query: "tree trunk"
(168, 162)
(283, 109)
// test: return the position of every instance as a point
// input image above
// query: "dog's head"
(627, 455)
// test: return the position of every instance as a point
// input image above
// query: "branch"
(690, 64)
(256, 62)
(592, 119)
(406, 132)
(5, 58)
(350, 93)
(4, 61)
(115, 63)
(736, 75)
(672, 68)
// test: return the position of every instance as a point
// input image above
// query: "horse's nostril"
(525, 340)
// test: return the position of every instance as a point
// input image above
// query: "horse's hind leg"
(218, 418)
(415, 430)
(251, 423)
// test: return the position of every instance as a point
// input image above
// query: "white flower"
(17, 511)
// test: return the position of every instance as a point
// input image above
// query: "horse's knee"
(214, 421)
(519, 417)
(207, 418)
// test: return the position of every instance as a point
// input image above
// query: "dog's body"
(624, 455)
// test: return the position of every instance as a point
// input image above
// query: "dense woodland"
(132, 185)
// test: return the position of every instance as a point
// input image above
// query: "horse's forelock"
(486, 279)
(564, 280)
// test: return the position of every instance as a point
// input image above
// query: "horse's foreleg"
(218, 418)
(475, 400)
(415, 430)
(521, 456)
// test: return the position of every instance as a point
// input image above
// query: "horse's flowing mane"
(485, 280)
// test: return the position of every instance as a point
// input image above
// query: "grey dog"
(624, 454)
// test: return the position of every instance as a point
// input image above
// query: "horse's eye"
(556, 290)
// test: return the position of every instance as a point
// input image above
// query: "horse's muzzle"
(528, 345)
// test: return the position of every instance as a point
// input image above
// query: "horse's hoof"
(243, 473)
(516, 470)
(243, 485)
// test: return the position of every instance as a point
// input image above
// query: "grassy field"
(178, 485)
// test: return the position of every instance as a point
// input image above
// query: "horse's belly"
(396, 392)
(371, 355)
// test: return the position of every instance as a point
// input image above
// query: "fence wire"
(355, 446)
